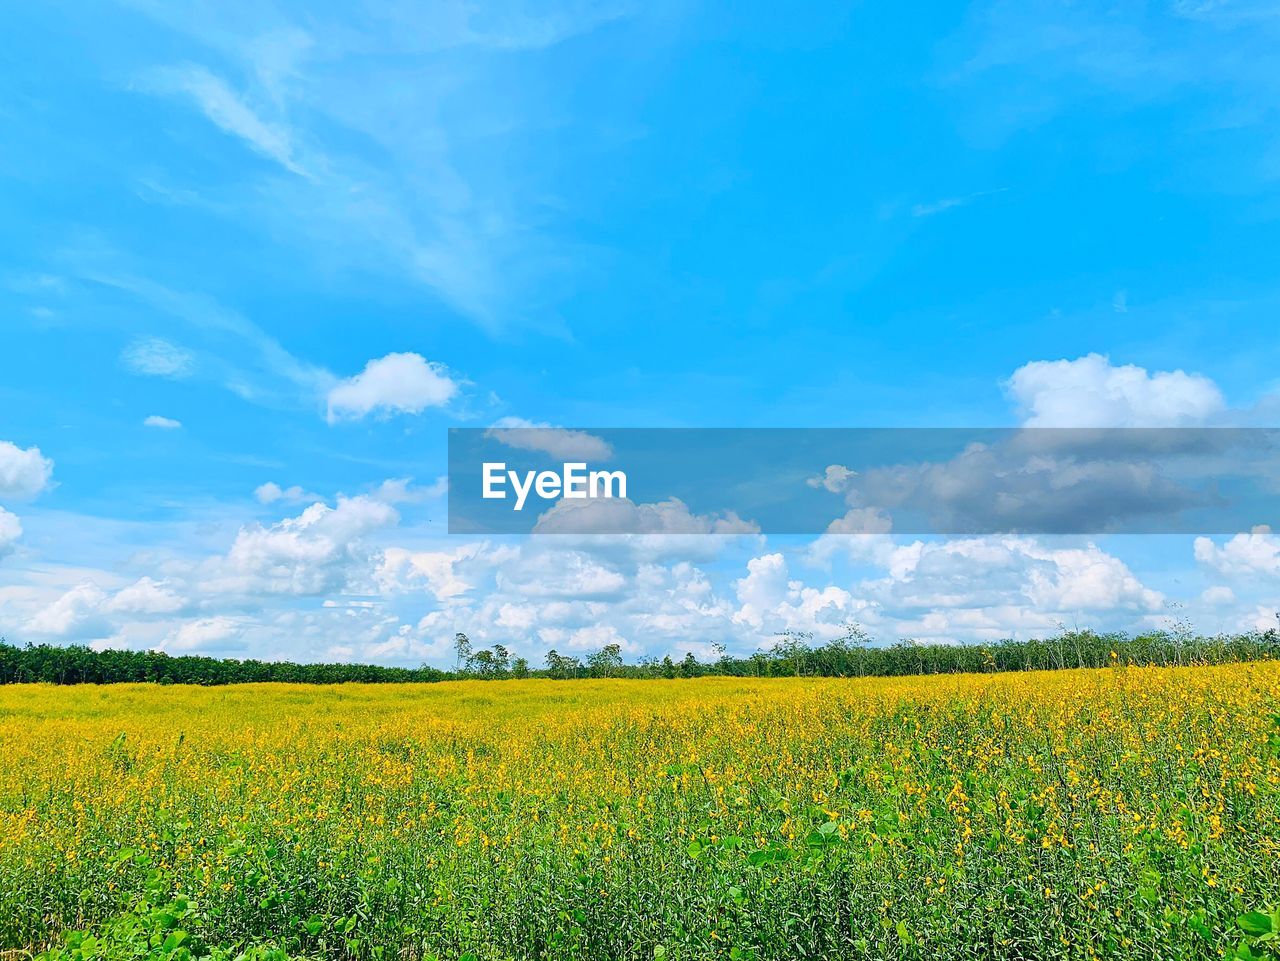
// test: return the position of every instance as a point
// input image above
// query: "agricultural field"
(1122, 812)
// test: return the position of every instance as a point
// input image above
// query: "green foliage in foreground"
(792, 655)
(156, 930)
(1261, 936)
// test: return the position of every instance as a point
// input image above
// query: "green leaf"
(821, 838)
(175, 940)
(768, 856)
(694, 848)
(1255, 924)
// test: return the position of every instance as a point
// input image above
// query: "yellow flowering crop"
(1127, 812)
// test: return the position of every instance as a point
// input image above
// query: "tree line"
(793, 654)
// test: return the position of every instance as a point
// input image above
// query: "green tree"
(462, 648)
(606, 662)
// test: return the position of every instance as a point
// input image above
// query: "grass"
(1124, 812)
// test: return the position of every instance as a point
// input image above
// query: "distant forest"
(794, 654)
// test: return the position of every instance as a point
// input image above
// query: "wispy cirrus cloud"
(229, 110)
(238, 352)
(951, 203)
(327, 102)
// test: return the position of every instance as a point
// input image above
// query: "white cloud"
(861, 521)
(861, 533)
(771, 601)
(10, 531)
(402, 490)
(421, 200)
(229, 111)
(614, 515)
(983, 572)
(563, 574)
(1262, 618)
(1083, 579)
(446, 574)
(394, 384)
(322, 550)
(557, 442)
(271, 492)
(1218, 596)
(1091, 392)
(154, 357)
(161, 423)
(950, 203)
(23, 473)
(202, 635)
(590, 638)
(1255, 553)
(76, 615)
(145, 596)
(86, 611)
(835, 478)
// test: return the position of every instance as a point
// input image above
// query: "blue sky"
(214, 216)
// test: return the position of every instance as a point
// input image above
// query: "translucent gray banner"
(953, 481)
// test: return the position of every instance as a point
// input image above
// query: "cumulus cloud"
(76, 615)
(861, 520)
(972, 589)
(620, 515)
(320, 551)
(1091, 392)
(558, 442)
(394, 384)
(1261, 618)
(87, 611)
(835, 478)
(771, 601)
(1083, 579)
(10, 531)
(993, 572)
(645, 590)
(23, 472)
(861, 533)
(1252, 554)
(145, 596)
(446, 574)
(204, 634)
(565, 574)
(402, 490)
(153, 357)
(271, 492)
(161, 423)
(1218, 596)
(589, 638)
(1007, 487)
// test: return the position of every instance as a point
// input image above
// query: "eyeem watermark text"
(572, 482)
